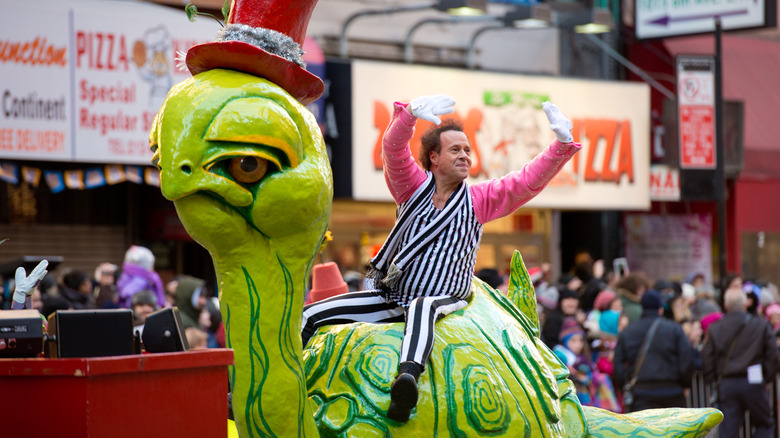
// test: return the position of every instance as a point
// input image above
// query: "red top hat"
(250, 20)
(326, 282)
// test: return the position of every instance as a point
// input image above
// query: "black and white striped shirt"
(446, 265)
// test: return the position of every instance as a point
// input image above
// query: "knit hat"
(144, 297)
(603, 299)
(772, 309)
(608, 322)
(569, 328)
(326, 282)
(707, 320)
(566, 293)
(651, 300)
(141, 256)
(547, 296)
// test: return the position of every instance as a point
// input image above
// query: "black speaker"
(164, 332)
(21, 333)
(91, 333)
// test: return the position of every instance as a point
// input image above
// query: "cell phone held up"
(620, 266)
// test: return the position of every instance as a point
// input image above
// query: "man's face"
(454, 160)
(141, 311)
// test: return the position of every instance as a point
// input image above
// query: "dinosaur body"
(246, 168)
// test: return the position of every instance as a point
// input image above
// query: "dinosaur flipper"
(521, 290)
(667, 423)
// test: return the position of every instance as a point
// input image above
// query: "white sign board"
(504, 121)
(664, 183)
(82, 81)
(666, 18)
(696, 111)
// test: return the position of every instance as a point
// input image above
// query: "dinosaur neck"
(262, 294)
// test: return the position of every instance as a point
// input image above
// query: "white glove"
(428, 107)
(560, 125)
(25, 285)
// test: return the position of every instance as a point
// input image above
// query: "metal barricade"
(700, 396)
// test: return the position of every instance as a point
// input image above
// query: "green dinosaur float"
(246, 168)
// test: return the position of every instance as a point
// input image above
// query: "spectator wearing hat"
(593, 388)
(773, 316)
(568, 303)
(707, 321)
(606, 303)
(191, 295)
(572, 350)
(668, 364)
(143, 304)
(138, 274)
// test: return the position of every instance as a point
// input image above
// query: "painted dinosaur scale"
(246, 168)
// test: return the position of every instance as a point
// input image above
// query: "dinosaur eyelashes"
(248, 169)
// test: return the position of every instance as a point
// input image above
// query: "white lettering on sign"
(664, 183)
(664, 18)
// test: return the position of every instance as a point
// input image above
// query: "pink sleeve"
(402, 174)
(502, 196)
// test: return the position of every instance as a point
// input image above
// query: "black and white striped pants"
(371, 306)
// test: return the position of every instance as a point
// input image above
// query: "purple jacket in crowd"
(134, 279)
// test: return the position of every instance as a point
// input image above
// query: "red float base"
(150, 395)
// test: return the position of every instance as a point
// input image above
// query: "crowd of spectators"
(630, 342)
(134, 285)
(612, 314)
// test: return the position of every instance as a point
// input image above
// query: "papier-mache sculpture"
(245, 165)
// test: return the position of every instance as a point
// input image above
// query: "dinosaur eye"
(248, 169)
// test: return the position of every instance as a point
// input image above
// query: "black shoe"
(403, 398)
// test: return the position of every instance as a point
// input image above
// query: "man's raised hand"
(560, 125)
(429, 107)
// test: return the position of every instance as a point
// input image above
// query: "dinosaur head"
(240, 157)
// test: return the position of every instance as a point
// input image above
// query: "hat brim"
(238, 55)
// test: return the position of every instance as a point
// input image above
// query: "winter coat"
(669, 362)
(134, 279)
(756, 345)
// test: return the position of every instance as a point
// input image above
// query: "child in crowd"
(593, 387)
(572, 352)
